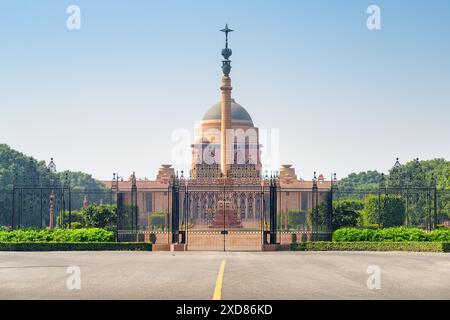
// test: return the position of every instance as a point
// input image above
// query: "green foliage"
(17, 168)
(100, 216)
(75, 217)
(356, 182)
(386, 210)
(157, 220)
(372, 246)
(94, 216)
(80, 180)
(442, 234)
(127, 216)
(36, 173)
(57, 235)
(297, 219)
(346, 213)
(391, 234)
(75, 246)
(76, 225)
(320, 218)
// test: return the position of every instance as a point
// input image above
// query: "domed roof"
(238, 113)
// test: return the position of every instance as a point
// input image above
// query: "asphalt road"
(194, 275)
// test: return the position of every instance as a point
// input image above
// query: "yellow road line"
(218, 290)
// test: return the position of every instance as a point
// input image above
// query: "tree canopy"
(363, 181)
(16, 167)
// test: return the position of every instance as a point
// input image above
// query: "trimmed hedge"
(75, 246)
(372, 246)
(391, 234)
(57, 235)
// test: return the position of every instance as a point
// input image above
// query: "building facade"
(226, 171)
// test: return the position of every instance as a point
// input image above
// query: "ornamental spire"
(226, 53)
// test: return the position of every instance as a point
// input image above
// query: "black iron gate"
(224, 216)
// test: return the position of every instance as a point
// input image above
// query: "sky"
(108, 97)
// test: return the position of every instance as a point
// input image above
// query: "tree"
(319, 216)
(346, 213)
(357, 182)
(100, 216)
(16, 167)
(418, 176)
(386, 210)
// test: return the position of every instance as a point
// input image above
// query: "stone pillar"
(226, 152)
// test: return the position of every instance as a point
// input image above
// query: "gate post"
(273, 211)
(175, 211)
(315, 209)
(134, 206)
(330, 208)
(115, 186)
(435, 218)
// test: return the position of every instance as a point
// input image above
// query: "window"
(149, 201)
(304, 201)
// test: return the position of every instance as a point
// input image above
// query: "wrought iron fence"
(224, 215)
(220, 216)
(423, 207)
(40, 207)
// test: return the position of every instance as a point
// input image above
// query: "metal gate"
(224, 216)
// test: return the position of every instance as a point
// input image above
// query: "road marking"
(218, 290)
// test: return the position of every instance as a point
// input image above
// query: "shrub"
(74, 246)
(372, 246)
(76, 225)
(346, 213)
(442, 234)
(386, 210)
(353, 234)
(75, 216)
(57, 235)
(100, 216)
(157, 219)
(391, 234)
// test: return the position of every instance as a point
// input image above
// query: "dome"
(238, 113)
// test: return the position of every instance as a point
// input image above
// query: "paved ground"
(193, 275)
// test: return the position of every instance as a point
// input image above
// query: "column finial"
(226, 52)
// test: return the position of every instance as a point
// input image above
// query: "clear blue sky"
(108, 97)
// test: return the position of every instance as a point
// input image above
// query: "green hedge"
(75, 246)
(372, 246)
(57, 235)
(391, 234)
